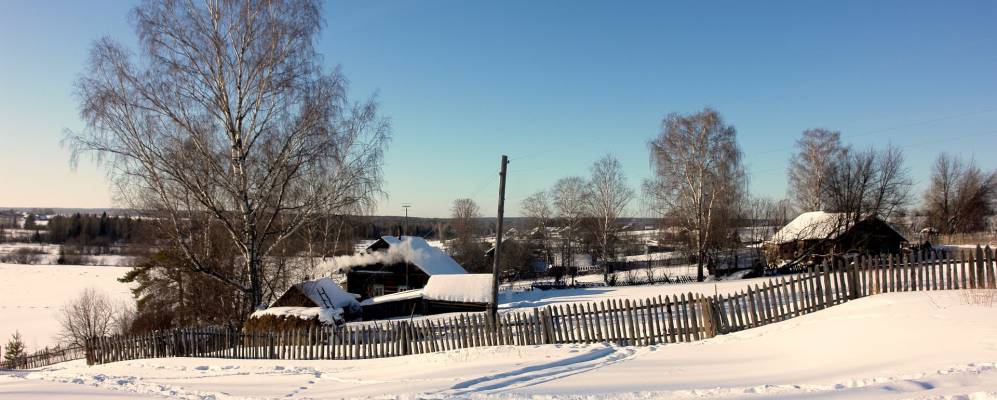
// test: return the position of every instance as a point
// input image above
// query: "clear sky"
(555, 85)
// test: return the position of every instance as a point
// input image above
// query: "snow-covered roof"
(467, 288)
(399, 296)
(411, 249)
(326, 293)
(814, 225)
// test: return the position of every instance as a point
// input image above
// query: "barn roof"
(814, 225)
(818, 225)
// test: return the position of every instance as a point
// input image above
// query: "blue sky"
(555, 85)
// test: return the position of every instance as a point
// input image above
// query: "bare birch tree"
(697, 169)
(607, 198)
(538, 210)
(809, 168)
(569, 202)
(464, 215)
(226, 120)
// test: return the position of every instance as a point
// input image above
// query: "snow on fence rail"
(683, 318)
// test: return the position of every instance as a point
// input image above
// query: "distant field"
(48, 254)
(31, 296)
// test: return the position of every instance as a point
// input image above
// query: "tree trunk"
(699, 265)
(255, 283)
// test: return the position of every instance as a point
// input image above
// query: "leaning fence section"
(663, 319)
(45, 357)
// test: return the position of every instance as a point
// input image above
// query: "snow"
(48, 254)
(32, 295)
(325, 315)
(814, 225)
(322, 289)
(924, 345)
(467, 288)
(414, 250)
(398, 296)
(534, 298)
(667, 255)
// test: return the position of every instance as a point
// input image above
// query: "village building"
(442, 294)
(395, 264)
(818, 234)
(311, 303)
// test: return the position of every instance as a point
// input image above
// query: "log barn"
(819, 234)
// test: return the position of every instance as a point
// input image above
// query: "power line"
(895, 127)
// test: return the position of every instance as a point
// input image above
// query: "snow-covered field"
(31, 296)
(48, 254)
(928, 345)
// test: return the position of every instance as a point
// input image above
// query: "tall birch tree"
(697, 170)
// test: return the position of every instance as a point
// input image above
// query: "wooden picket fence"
(46, 357)
(663, 319)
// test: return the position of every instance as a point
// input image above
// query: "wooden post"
(991, 274)
(496, 265)
(752, 307)
(693, 317)
(981, 274)
(670, 318)
(403, 338)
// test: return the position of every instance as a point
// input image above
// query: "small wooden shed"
(821, 233)
(310, 303)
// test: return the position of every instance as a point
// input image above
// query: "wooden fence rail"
(662, 319)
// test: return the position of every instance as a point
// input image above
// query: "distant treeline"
(96, 230)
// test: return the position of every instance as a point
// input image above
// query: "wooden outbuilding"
(818, 234)
(310, 303)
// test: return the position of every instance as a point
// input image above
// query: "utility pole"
(405, 228)
(493, 309)
(406, 207)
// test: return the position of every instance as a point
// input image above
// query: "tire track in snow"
(540, 373)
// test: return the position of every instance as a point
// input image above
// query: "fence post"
(403, 338)
(853, 277)
(545, 325)
(991, 274)
(709, 317)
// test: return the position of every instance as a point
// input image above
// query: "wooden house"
(817, 234)
(395, 264)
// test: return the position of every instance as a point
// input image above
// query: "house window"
(376, 290)
(402, 288)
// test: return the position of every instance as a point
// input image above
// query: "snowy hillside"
(31, 296)
(907, 345)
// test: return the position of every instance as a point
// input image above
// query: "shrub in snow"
(89, 315)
